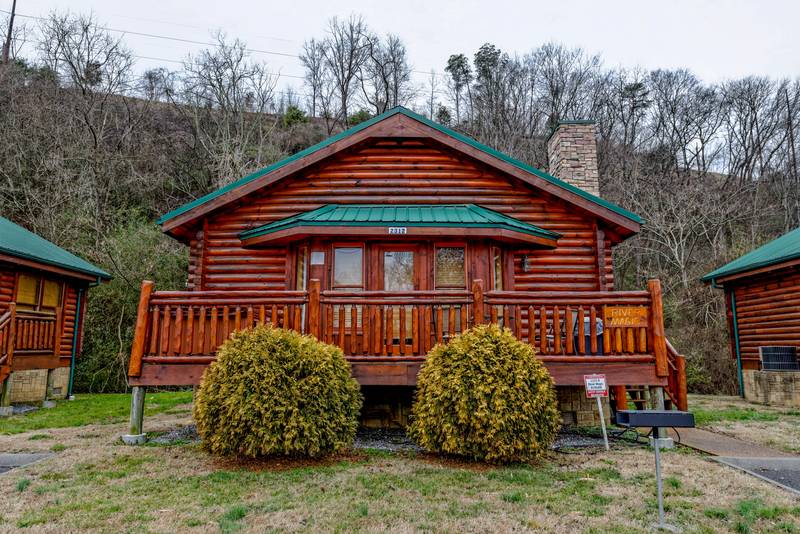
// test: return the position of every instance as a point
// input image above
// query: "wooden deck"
(28, 340)
(385, 336)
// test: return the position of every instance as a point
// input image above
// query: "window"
(301, 270)
(37, 293)
(497, 268)
(348, 268)
(449, 272)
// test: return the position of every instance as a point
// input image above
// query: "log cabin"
(762, 301)
(42, 307)
(398, 234)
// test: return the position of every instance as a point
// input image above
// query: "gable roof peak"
(554, 185)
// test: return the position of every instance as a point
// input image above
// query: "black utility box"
(655, 418)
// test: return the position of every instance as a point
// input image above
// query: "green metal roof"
(366, 124)
(785, 248)
(433, 215)
(19, 242)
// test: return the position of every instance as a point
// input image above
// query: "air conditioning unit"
(779, 358)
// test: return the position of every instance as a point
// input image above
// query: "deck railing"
(174, 327)
(37, 332)
(7, 339)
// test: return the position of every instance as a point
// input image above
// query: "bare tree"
(385, 75)
(229, 97)
(345, 50)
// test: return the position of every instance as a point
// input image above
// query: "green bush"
(485, 396)
(275, 392)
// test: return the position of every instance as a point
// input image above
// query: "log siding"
(401, 171)
(767, 312)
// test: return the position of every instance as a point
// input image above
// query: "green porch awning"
(419, 220)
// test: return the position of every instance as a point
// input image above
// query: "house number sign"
(398, 230)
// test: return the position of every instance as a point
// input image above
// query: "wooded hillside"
(94, 152)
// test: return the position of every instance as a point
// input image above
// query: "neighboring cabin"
(762, 298)
(42, 306)
(398, 234)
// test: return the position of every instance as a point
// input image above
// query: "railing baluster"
(213, 333)
(439, 324)
(531, 326)
(188, 340)
(402, 334)
(631, 343)
(154, 331)
(285, 324)
(518, 322)
(543, 329)
(298, 319)
(262, 314)
(463, 325)
(556, 330)
(237, 319)
(451, 322)
(380, 343)
(415, 330)
(607, 348)
(340, 340)
(642, 340)
(389, 348)
(581, 329)
(570, 332)
(353, 330)
(366, 329)
(200, 344)
(177, 334)
(493, 314)
(273, 316)
(249, 323)
(165, 328)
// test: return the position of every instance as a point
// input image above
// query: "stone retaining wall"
(777, 388)
(36, 385)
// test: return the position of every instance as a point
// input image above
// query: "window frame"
(39, 307)
(450, 244)
(338, 245)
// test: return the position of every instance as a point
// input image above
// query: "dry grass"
(766, 425)
(96, 484)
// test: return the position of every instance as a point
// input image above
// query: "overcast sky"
(717, 39)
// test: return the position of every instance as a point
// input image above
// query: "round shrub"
(485, 396)
(275, 392)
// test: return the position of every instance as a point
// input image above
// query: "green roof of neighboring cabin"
(463, 138)
(785, 248)
(433, 215)
(21, 243)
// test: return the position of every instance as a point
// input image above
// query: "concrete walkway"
(722, 445)
(776, 467)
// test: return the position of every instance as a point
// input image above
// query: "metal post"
(656, 446)
(602, 421)
(135, 434)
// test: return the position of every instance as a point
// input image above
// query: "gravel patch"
(179, 436)
(384, 439)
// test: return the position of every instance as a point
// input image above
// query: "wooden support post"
(620, 397)
(140, 331)
(657, 327)
(59, 326)
(5, 397)
(314, 308)
(135, 435)
(477, 302)
(683, 398)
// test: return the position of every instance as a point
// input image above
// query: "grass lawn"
(766, 425)
(96, 484)
(89, 409)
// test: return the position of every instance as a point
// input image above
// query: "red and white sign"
(595, 386)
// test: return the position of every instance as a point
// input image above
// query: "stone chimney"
(572, 154)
